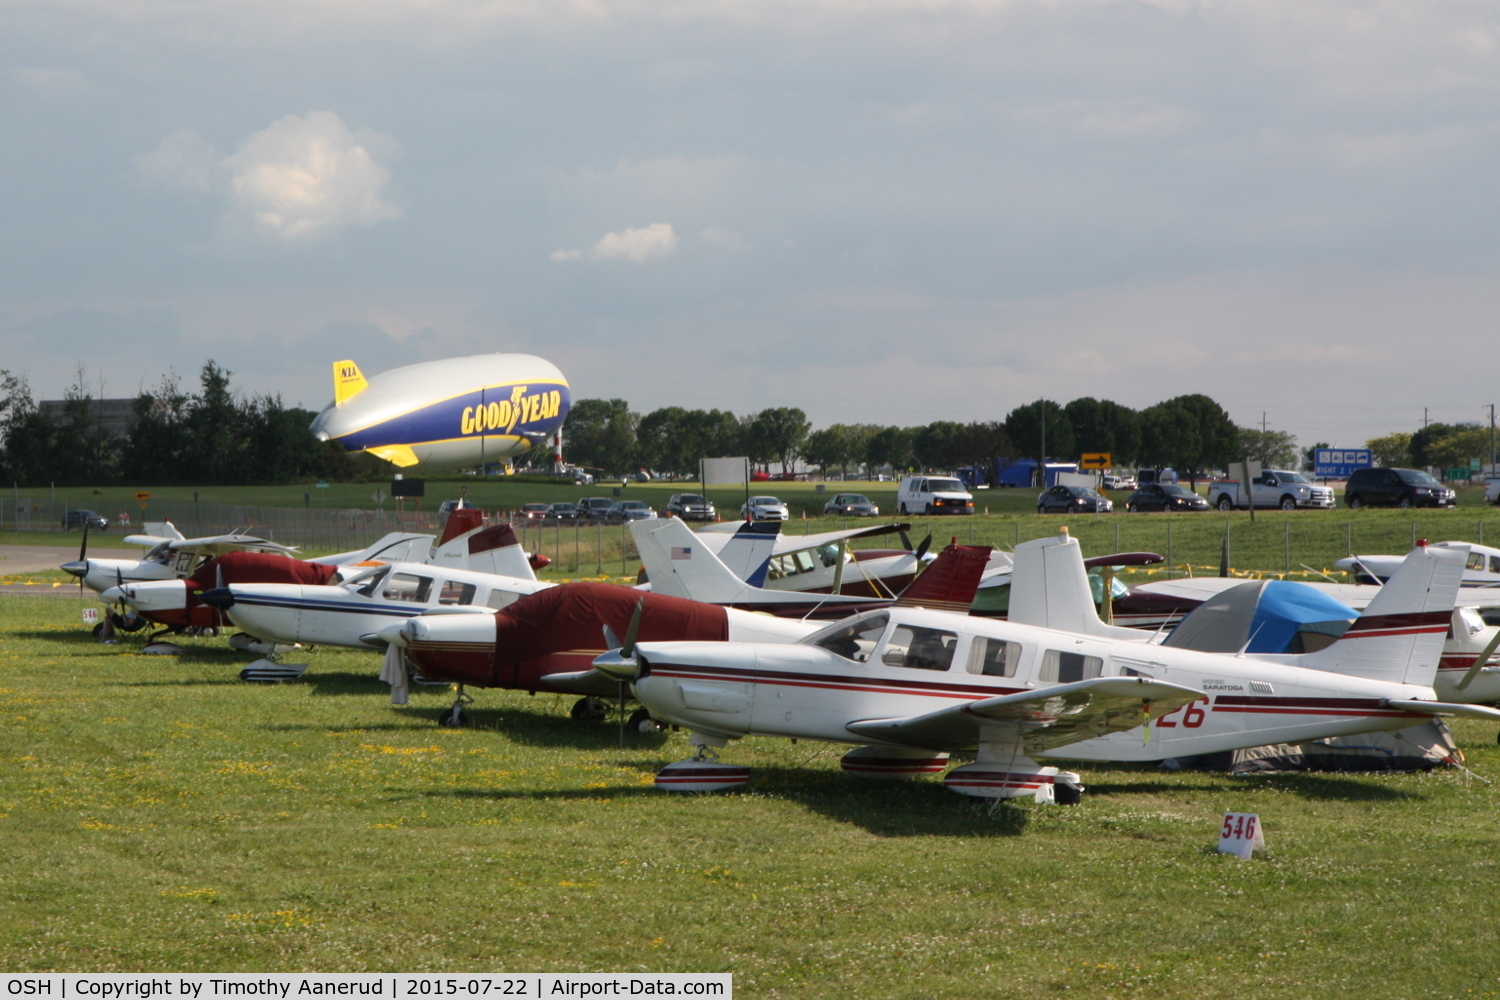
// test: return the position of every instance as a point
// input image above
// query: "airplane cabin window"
(499, 599)
(854, 640)
(829, 554)
(804, 561)
(993, 657)
(407, 587)
(1065, 668)
(919, 648)
(1476, 560)
(456, 593)
(1495, 564)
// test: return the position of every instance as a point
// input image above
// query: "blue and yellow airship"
(447, 414)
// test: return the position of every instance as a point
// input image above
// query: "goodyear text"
(523, 407)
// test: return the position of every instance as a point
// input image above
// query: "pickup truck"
(1272, 488)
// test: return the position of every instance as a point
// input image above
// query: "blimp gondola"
(448, 414)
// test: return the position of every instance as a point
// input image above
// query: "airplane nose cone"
(220, 598)
(112, 595)
(78, 568)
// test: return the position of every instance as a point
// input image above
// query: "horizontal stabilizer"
(1044, 719)
(348, 382)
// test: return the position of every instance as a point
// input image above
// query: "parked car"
(1492, 490)
(76, 519)
(851, 505)
(691, 507)
(1073, 500)
(933, 495)
(1165, 496)
(629, 510)
(1113, 482)
(533, 512)
(764, 509)
(1396, 488)
(594, 508)
(564, 512)
(1272, 488)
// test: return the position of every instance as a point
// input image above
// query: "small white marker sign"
(1240, 834)
(91, 616)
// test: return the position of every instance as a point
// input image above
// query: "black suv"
(691, 507)
(594, 509)
(1396, 488)
(76, 519)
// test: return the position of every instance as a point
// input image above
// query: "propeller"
(83, 555)
(905, 539)
(922, 549)
(620, 662)
(1473, 672)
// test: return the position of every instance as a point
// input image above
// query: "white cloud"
(299, 178)
(303, 176)
(640, 245)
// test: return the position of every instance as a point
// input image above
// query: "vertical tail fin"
(348, 382)
(1399, 637)
(951, 582)
(680, 565)
(1049, 588)
(748, 551)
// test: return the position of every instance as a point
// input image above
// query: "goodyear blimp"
(447, 414)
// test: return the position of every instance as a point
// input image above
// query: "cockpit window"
(366, 584)
(919, 648)
(853, 639)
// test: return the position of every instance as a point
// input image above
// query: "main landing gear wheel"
(1066, 793)
(454, 717)
(590, 709)
(640, 721)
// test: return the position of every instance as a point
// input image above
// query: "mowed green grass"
(157, 814)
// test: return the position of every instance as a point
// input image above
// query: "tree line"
(1190, 433)
(211, 437)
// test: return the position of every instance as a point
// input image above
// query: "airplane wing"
(796, 543)
(1044, 719)
(219, 544)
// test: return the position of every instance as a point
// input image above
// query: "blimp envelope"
(447, 414)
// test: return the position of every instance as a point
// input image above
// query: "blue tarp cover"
(1284, 608)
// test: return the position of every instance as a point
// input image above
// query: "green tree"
(1102, 425)
(1032, 424)
(890, 446)
(601, 433)
(1272, 449)
(1310, 455)
(776, 434)
(1457, 446)
(1393, 449)
(1192, 434)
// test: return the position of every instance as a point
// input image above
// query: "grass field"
(159, 815)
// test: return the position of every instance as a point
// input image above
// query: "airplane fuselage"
(807, 691)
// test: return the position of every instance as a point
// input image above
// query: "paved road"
(18, 560)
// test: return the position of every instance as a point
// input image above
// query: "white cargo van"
(933, 495)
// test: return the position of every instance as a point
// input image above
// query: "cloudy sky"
(888, 211)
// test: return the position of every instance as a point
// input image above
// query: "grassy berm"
(157, 814)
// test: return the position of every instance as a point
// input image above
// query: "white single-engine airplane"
(760, 554)
(912, 686)
(1481, 568)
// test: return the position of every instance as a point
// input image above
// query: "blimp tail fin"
(348, 382)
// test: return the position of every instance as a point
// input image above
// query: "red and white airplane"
(466, 544)
(549, 640)
(911, 686)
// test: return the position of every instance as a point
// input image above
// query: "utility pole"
(1424, 418)
(1263, 423)
(1492, 439)
(1042, 468)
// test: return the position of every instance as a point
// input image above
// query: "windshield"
(853, 498)
(1415, 476)
(853, 638)
(765, 501)
(563, 507)
(1178, 491)
(1291, 477)
(690, 498)
(632, 505)
(944, 486)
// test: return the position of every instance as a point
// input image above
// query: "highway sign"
(1096, 460)
(143, 495)
(1340, 463)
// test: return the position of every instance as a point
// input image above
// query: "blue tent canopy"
(1266, 614)
(1285, 608)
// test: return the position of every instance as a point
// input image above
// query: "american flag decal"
(682, 552)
